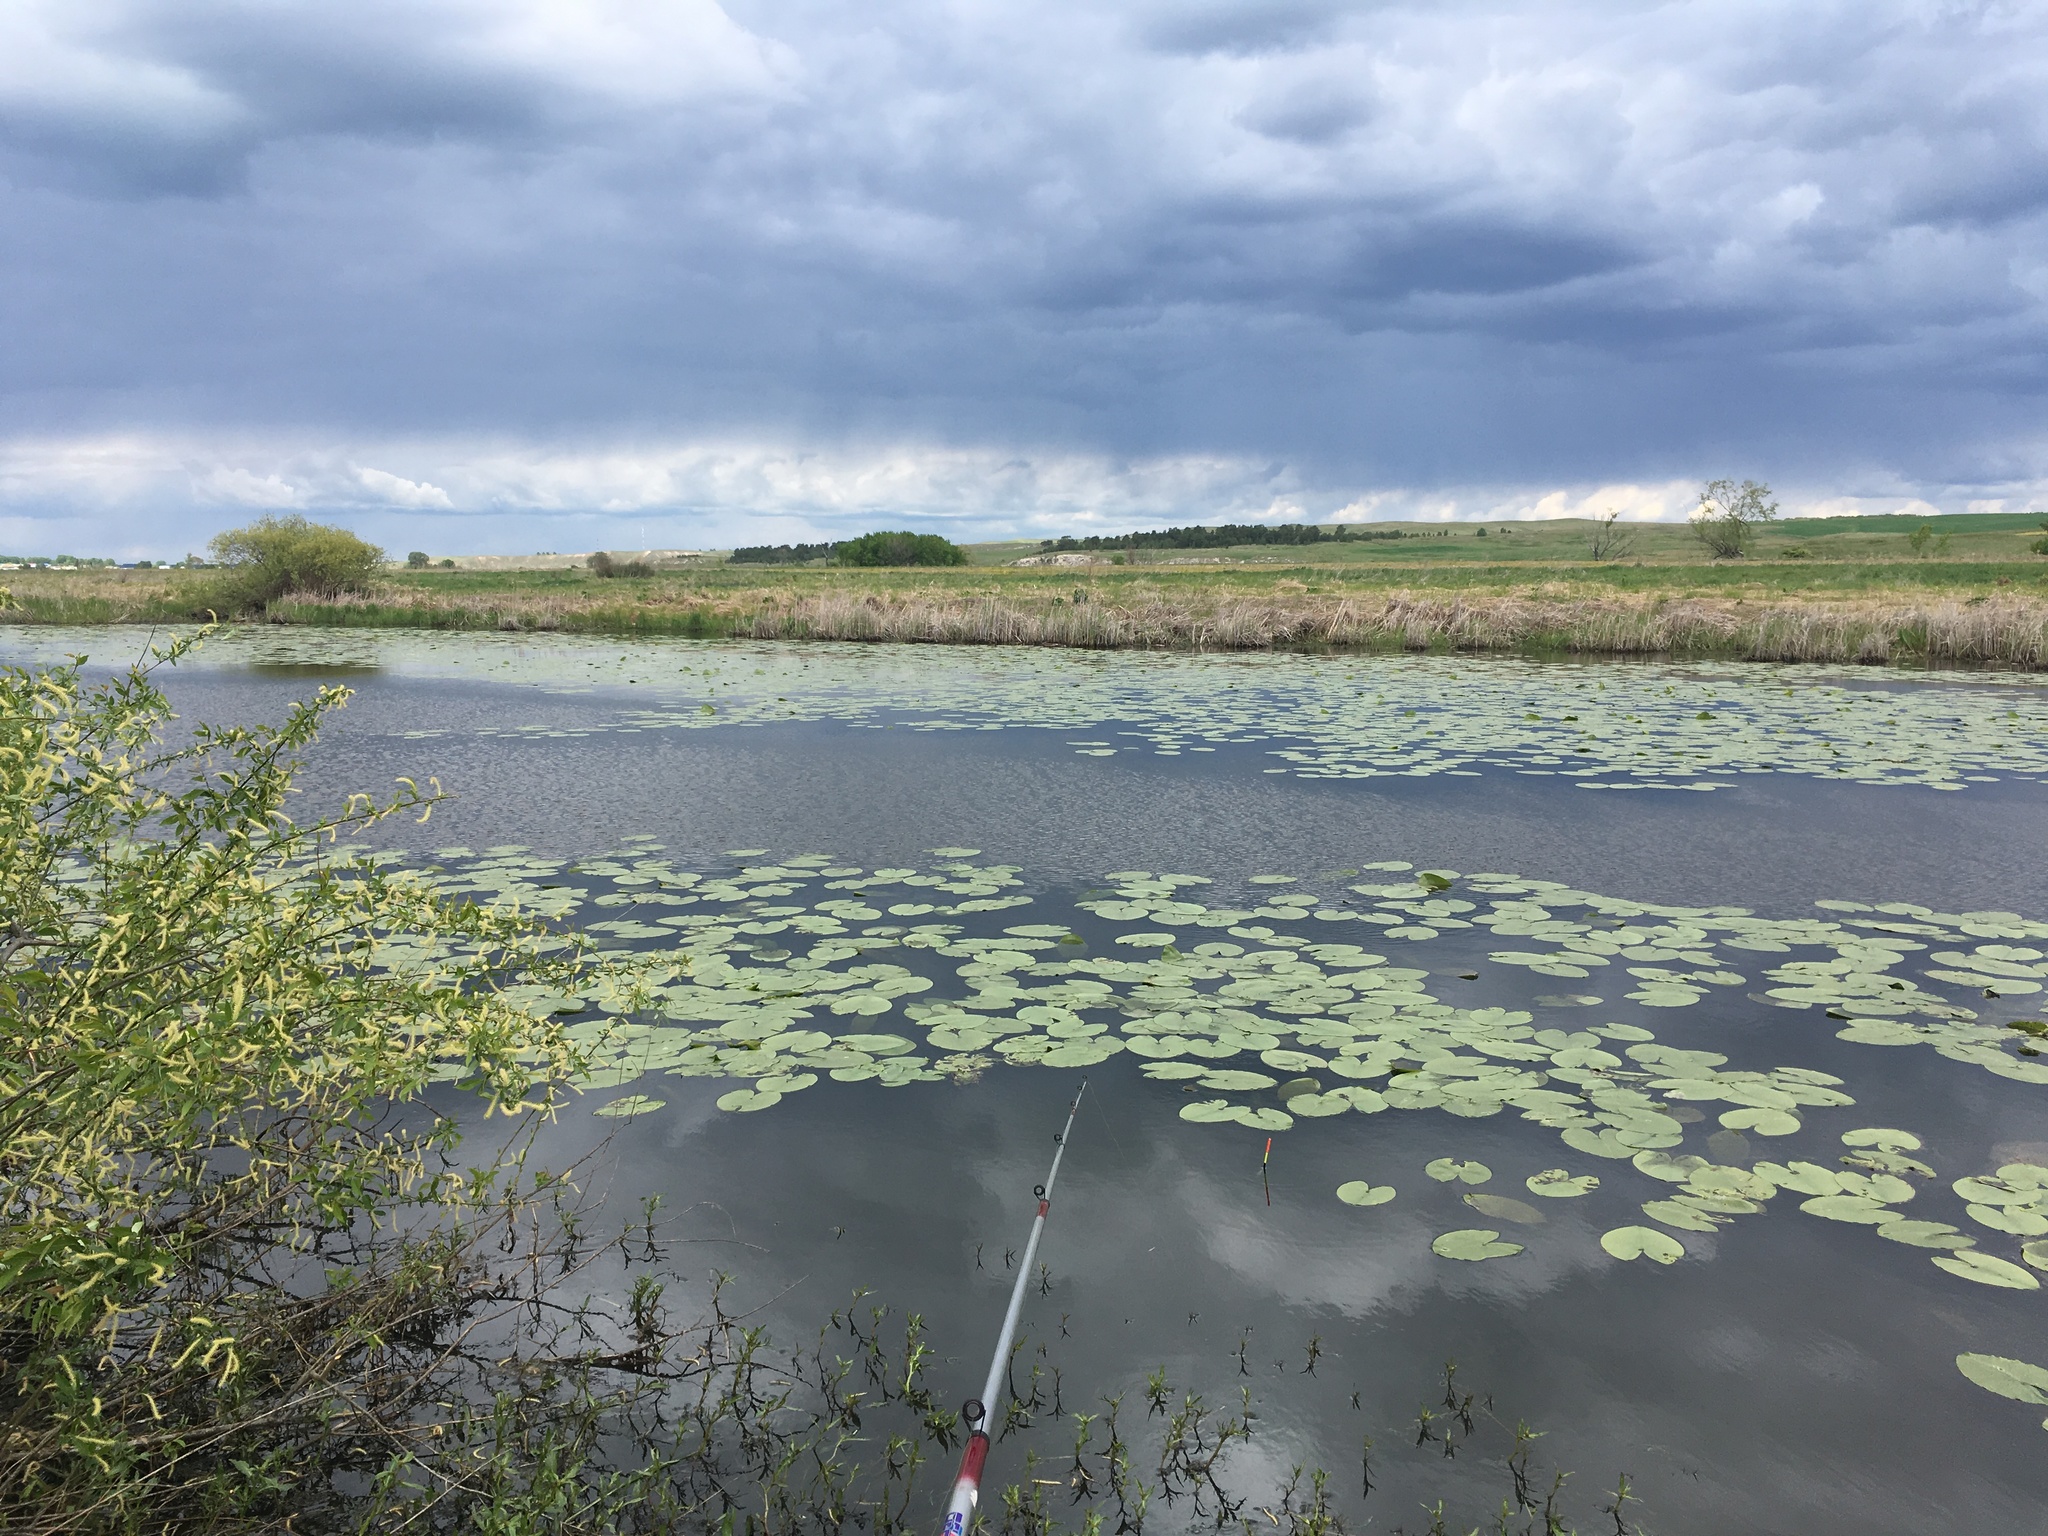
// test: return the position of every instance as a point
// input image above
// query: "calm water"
(1790, 1374)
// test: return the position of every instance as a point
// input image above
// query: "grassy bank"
(1991, 608)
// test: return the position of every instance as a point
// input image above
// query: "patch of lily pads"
(1650, 726)
(1297, 998)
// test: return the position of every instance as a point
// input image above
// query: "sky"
(495, 276)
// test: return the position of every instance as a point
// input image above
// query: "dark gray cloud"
(1191, 259)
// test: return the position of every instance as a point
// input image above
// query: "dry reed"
(1999, 629)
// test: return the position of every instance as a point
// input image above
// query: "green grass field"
(1853, 588)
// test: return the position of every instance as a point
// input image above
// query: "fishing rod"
(967, 1486)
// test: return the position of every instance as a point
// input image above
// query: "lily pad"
(1643, 1243)
(1987, 1269)
(2016, 1379)
(1365, 1192)
(1674, 1214)
(1931, 1234)
(1317, 1105)
(1473, 1244)
(1447, 1170)
(746, 1100)
(1558, 1184)
(1765, 1122)
(1262, 1119)
(1851, 1208)
(627, 1107)
(1236, 1082)
(1882, 1137)
(2019, 1222)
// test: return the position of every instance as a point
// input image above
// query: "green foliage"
(780, 554)
(1239, 535)
(1923, 538)
(207, 1015)
(1729, 515)
(274, 556)
(417, 560)
(899, 549)
(602, 564)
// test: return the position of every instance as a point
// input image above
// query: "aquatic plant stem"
(967, 1484)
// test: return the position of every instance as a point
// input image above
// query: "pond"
(1637, 1035)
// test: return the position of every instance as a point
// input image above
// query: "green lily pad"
(1987, 1269)
(1851, 1208)
(1558, 1184)
(1318, 1105)
(2035, 1254)
(1262, 1119)
(1503, 1208)
(2019, 1222)
(1881, 1137)
(1806, 1178)
(1685, 1217)
(745, 1100)
(1765, 1122)
(1643, 1243)
(1996, 1191)
(1209, 1111)
(1672, 1170)
(1365, 1192)
(2016, 1379)
(1446, 1170)
(1473, 1244)
(1930, 1234)
(1236, 1082)
(1604, 1142)
(625, 1108)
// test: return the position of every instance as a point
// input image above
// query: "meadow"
(1946, 589)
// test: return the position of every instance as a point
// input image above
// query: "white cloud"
(397, 491)
(493, 495)
(243, 487)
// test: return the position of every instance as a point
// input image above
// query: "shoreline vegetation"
(1949, 591)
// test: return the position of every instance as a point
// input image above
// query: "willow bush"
(237, 1260)
(275, 556)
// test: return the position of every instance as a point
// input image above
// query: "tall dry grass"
(2005, 631)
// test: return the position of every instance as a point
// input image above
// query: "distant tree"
(1611, 539)
(417, 560)
(447, 565)
(1728, 516)
(276, 555)
(900, 549)
(780, 554)
(1922, 539)
(602, 564)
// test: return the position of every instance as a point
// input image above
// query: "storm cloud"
(536, 273)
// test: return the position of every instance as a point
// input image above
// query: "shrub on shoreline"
(274, 556)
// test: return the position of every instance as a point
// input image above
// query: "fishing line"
(974, 1412)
